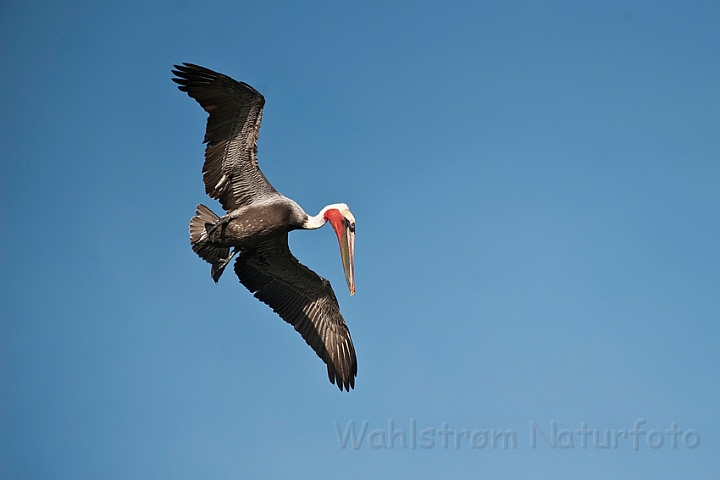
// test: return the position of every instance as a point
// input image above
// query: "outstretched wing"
(230, 172)
(303, 299)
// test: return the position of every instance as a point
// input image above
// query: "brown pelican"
(258, 220)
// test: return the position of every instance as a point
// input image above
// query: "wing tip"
(346, 382)
(188, 73)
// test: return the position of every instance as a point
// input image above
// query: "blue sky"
(538, 220)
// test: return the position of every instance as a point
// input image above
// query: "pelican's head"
(343, 223)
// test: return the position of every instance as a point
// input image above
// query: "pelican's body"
(251, 225)
(258, 220)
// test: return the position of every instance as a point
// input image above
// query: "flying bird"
(258, 219)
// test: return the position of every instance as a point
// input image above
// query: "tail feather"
(203, 215)
(216, 256)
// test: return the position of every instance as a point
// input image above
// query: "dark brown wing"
(303, 299)
(230, 172)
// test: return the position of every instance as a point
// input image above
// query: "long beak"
(346, 239)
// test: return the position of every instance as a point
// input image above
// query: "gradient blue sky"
(536, 187)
